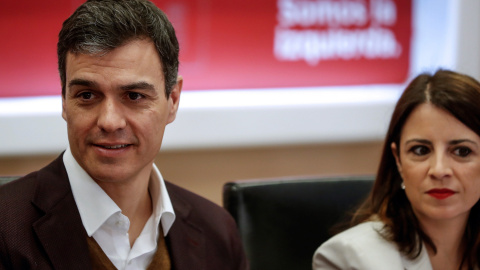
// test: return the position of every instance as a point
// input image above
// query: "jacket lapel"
(60, 229)
(422, 262)
(185, 240)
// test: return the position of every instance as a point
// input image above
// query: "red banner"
(234, 44)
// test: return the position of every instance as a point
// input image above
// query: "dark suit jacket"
(40, 227)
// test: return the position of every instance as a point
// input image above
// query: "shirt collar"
(89, 195)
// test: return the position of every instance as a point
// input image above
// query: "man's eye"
(420, 150)
(134, 96)
(462, 151)
(86, 95)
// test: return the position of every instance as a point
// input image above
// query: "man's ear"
(396, 154)
(174, 99)
(64, 114)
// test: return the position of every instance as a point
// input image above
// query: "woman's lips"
(440, 193)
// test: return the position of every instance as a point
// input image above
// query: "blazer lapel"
(422, 262)
(185, 240)
(60, 229)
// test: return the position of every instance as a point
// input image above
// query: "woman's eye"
(420, 150)
(462, 151)
(134, 96)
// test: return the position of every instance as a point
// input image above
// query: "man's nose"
(111, 116)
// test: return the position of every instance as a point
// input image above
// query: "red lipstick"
(440, 193)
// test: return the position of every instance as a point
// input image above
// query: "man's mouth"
(117, 146)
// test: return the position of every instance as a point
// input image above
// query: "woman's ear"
(396, 154)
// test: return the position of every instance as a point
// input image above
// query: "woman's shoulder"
(366, 234)
(361, 246)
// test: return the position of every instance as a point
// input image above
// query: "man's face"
(116, 110)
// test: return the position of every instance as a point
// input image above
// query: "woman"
(423, 211)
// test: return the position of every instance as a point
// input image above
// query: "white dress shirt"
(103, 219)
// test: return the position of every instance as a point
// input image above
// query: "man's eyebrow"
(131, 86)
(138, 85)
(82, 82)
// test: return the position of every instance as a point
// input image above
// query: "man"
(103, 204)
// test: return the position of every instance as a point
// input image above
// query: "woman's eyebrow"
(453, 142)
(419, 141)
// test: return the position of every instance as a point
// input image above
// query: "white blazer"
(362, 248)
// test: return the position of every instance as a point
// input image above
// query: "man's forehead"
(134, 54)
(142, 43)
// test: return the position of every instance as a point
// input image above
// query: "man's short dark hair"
(99, 26)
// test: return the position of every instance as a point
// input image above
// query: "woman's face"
(438, 158)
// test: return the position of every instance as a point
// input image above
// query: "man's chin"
(108, 173)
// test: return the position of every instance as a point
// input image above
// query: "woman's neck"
(448, 238)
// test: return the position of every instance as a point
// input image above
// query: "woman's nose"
(440, 166)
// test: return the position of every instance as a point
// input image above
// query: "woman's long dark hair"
(457, 94)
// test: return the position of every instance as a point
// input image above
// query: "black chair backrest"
(6, 179)
(282, 222)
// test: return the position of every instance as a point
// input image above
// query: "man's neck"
(133, 198)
